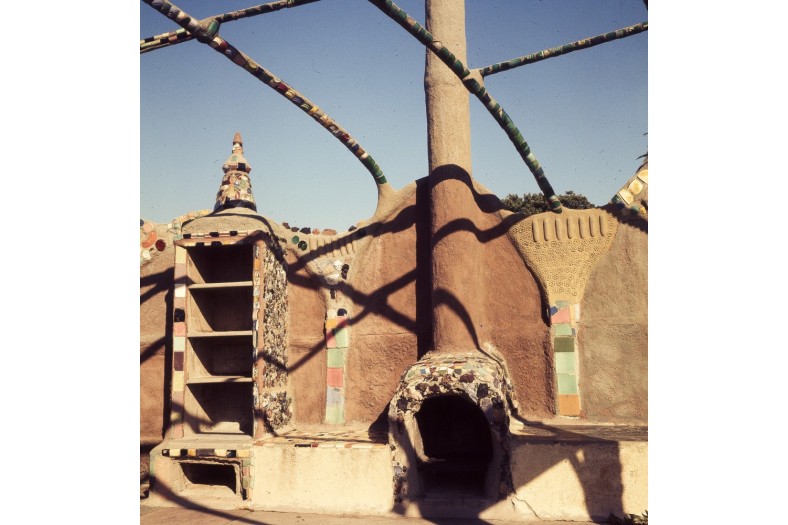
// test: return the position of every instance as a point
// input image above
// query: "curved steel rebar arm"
(474, 86)
(181, 35)
(566, 48)
(206, 31)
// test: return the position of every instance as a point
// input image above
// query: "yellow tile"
(569, 405)
(177, 381)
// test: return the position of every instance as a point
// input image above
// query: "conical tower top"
(236, 188)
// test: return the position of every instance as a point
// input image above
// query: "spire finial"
(236, 188)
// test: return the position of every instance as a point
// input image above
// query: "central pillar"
(456, 252)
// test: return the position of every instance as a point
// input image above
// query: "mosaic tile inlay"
(480, 379)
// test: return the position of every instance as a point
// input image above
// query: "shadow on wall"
(603, 490)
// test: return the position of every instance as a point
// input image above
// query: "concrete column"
(456, 284)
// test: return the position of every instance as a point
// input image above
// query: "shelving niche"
(220, 339)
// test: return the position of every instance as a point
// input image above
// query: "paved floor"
(178, 516)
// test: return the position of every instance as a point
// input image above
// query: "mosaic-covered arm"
(566, 48)
(474, 86)
(181, 35)
(163, 40)
(206, 31)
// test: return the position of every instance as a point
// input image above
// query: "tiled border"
(337, 337)
(565, 317)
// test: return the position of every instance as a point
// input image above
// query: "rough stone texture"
(275, 321)
(483, 381)
(613, 338)
(276, 408)
(274, 403)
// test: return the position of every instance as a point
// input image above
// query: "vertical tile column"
(337, 342)
(178, 344)
(565, 318)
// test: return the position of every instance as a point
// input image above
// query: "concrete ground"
(179, 516)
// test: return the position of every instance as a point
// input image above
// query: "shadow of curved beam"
(153, 349)
(370, 303)
(609, 448)
(441, 296)
(486, 202)
(158, 282)
(467, 225)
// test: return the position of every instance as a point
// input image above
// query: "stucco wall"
(306, 352)
(156, 283)
(391, 319)
(386, 331)
(392, 322)
(613, 338)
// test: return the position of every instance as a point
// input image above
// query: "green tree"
(533, 203)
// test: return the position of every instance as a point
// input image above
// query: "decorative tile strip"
(561, 252)
(337, 342)
(181, 35)
(563, 49)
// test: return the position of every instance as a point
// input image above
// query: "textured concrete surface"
(178, 516)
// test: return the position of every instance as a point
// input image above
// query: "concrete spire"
(236, 188)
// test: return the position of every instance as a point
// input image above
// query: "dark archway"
(449, 430)
(457, 445)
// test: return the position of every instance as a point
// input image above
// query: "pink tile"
(335, 377)
(561, 316)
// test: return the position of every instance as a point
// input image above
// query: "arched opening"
(457, 447)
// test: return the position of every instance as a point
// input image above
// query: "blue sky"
(585, 115)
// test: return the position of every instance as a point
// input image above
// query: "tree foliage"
(533, 203)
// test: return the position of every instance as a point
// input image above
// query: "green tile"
(335, 415)
(565, 362)
(562, 304)
(563, 329)
(335, 358)
(342, 337)
(567, 384)
(564, 344)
